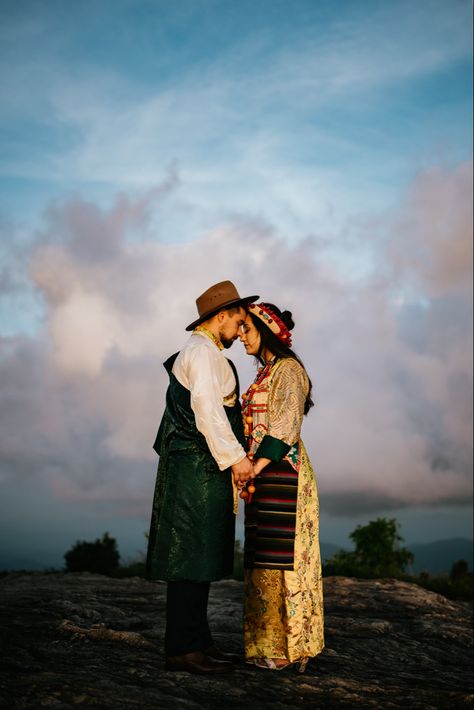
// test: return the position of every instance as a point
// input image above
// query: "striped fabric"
(270, 519)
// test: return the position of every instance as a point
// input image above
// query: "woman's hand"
(259, 465)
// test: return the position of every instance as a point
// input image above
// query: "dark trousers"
(187, 629)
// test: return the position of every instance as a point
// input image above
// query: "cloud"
(433, 244)
(393, 421)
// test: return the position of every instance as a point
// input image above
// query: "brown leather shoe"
(197, 662)
(218, 655)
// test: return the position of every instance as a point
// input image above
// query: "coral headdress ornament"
(272, 321)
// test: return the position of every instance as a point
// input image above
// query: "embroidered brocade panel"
(283, 610)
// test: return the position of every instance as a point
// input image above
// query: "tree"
(377, 552)
(459, 570)
(101, 556)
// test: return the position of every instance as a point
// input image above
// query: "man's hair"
(232, 310)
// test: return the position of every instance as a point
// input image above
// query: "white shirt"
(204, 371)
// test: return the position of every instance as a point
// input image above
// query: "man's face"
(230, 327)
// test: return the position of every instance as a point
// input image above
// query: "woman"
(283, 608)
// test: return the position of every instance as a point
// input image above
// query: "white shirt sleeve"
(203, 374)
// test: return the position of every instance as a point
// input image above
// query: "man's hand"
(242, 471)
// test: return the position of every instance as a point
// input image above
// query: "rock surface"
(89, 640)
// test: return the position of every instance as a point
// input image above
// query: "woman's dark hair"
(269, 341)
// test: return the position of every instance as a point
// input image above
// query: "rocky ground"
(89, 640)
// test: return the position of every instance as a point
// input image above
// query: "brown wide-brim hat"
(221, 295)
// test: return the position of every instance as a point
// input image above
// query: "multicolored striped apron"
(270, 517)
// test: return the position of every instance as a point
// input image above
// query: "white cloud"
(434, 235)
(393, 421)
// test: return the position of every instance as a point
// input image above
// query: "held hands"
(243, 471)
(247, 490)
(258, 465)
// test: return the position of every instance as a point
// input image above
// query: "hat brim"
(223, 306)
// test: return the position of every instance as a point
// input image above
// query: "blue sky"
(351, 97)
(320, 151)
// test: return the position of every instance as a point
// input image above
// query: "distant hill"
(43, 561)
(437, 557)
(432, 557)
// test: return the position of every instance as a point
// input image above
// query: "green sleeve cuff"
(271, 448)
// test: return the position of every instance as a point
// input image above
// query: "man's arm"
(203, 373)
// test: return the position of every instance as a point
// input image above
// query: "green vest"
(192, 524)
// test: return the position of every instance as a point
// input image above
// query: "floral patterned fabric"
(283, 610)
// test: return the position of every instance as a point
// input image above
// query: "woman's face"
(250, 337)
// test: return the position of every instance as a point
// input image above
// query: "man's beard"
(227, 343)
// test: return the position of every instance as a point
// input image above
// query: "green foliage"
(134, 568)
(377, 552)
(459, 584)
(459, 570)
(100, 556)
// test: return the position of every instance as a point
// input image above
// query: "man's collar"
(205, 331)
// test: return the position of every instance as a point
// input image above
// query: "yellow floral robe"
(283, 610)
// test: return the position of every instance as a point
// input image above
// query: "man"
(200, 444)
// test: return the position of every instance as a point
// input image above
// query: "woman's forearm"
(260, 464)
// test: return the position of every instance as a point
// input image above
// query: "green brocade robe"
(192, 526)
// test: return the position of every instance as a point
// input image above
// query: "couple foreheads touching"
(217, 447)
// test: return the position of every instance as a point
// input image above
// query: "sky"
(316, 153)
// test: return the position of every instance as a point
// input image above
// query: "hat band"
(272, 321)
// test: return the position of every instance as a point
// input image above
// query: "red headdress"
(272, 321)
